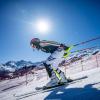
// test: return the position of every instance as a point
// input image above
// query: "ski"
(69, 82)
(42, 89)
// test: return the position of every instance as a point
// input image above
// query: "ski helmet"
(35, 43)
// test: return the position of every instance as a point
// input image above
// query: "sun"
(42, 26)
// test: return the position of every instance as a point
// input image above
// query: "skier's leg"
(62, 78)
(56, 75)
(48, 69)
(53, 78)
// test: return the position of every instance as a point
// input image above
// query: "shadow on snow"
(88, 92)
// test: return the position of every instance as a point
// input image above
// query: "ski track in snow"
(87, 89)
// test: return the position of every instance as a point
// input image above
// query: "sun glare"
(42, 26)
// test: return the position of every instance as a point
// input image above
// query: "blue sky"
(72, 21)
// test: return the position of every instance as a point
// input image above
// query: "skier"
(58, 52)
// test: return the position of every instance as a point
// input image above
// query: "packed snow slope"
(87, 89)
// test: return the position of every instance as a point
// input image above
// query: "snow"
(87, 89)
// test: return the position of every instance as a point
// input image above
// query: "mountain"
(18, 64)
(6, 68)
(13, 69)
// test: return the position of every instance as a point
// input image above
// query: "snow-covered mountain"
(6, 68)
(18, 64)
(21, 64)
(13, 65)
(15, 68)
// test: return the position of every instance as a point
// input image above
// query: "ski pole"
(84, 42)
